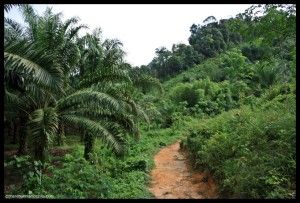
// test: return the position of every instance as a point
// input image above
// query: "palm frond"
(96, 128)
(144, 81)
(125, 121)
(104, 75)
(69, 22)
(142, 114)
(136, 110)
(75, 30)
(32, 63)
(7, 7)
(87, 97)
(14, 27)
(11, 98)
(267, 74)
(30, 18)
(120, 93)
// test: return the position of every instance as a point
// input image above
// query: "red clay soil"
(174, 178)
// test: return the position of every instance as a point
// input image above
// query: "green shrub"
(77, 179)
(255, 52)
(29, 169)
(252, 153)
(185, 92)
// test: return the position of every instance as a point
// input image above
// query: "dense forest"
(80, 122)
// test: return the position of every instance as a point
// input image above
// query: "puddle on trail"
(174, 178)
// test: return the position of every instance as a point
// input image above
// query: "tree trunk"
(6, 127)
(22, 137)
(13, 131)
(61, 135)
(82, 135)
(16, 132)
(9, 130)
(88, 145)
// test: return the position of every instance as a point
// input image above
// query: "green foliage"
(267, 73)
(135, 190)
(77, 179)
(29, 62)
(279, 89)
(211, 69)
(208, 41)
(29, 169)
(39, 67)
(57, 83)
(239, 90)
(204, 97)
(255, 52)
(104, 175)
(250, 152)
(185, 92)
(234, 65)
(144, 81)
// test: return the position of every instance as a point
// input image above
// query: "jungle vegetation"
(80, 122)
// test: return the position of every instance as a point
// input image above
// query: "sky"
(140, 27)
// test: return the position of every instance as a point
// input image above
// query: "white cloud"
(140, 27)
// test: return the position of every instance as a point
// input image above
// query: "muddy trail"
(174, 178)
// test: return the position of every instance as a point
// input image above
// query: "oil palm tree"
(41, 57)
(98, 113)
(26, 70)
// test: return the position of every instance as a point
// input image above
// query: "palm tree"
(46, 42)
(27, 70)
(42, 60)
(57, 37)
(98, 113)
(143, 81)
(267, 73)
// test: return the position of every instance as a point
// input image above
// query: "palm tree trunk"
(82, 135)
(9, 129)
(88, 145)
(16, 131)
(12, 132)
(22, 137)
(61, 135)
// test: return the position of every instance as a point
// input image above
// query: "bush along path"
(174, 178)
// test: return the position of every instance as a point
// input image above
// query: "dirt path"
(173, 177)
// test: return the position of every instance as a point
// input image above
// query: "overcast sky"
(141, 28)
